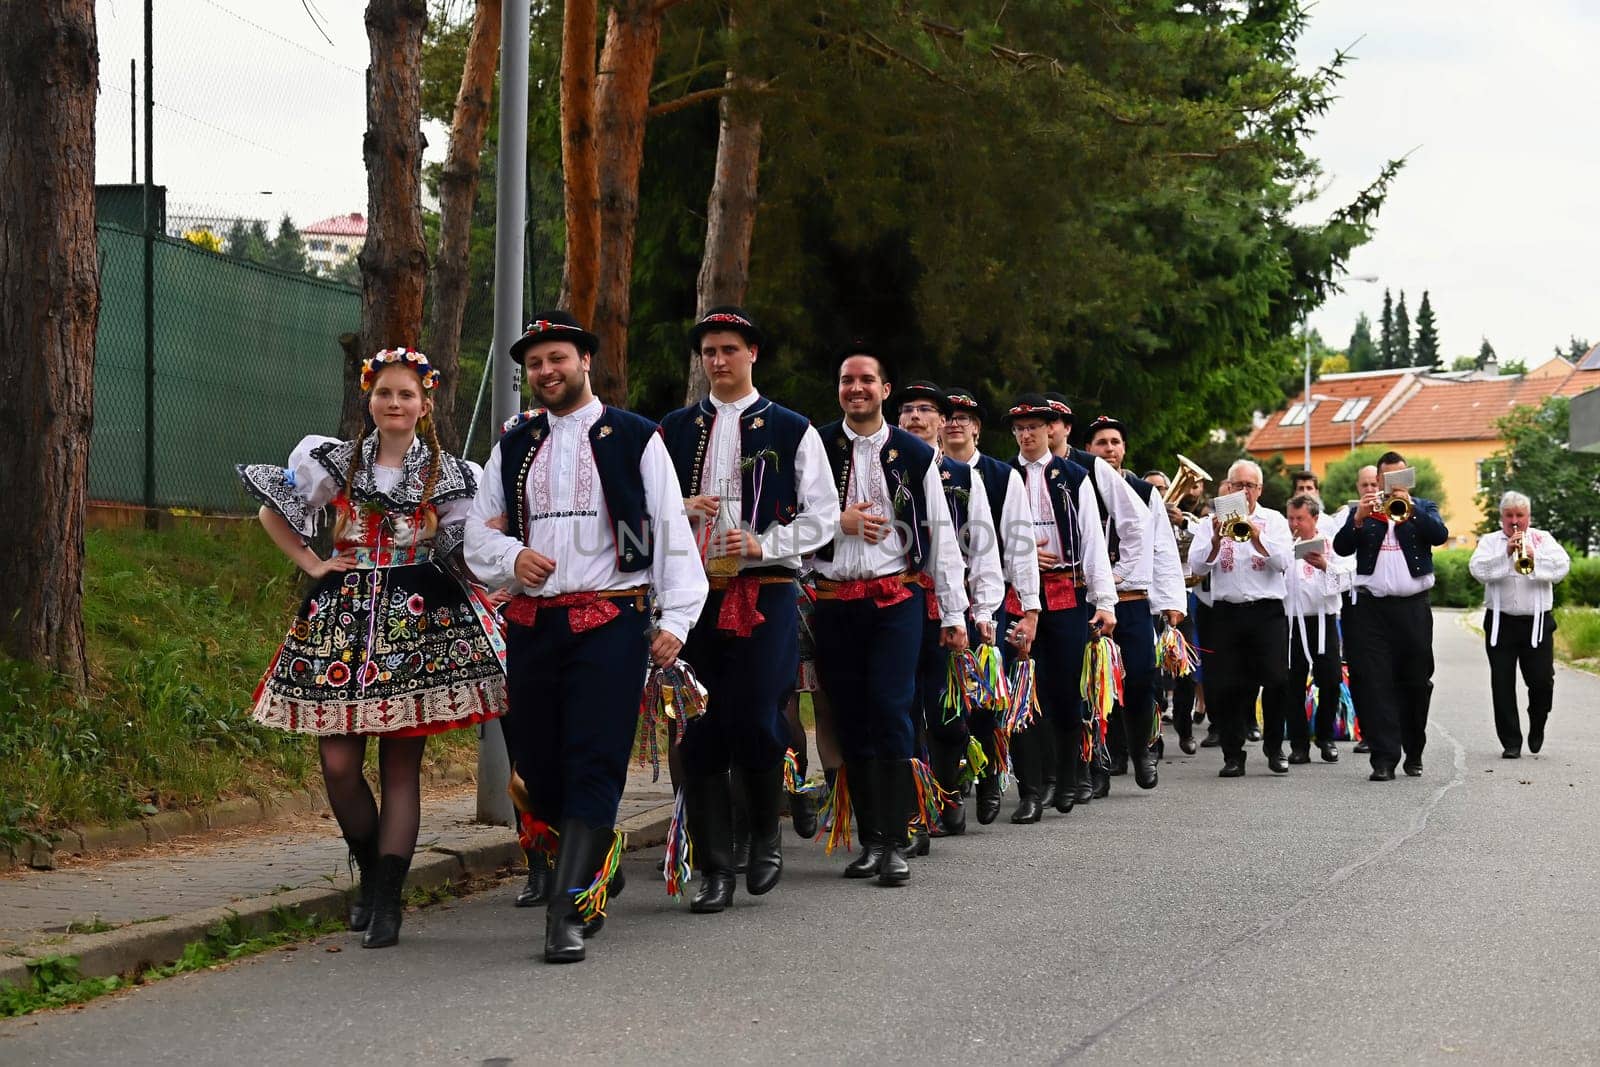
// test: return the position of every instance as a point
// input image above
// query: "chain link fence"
(246, 360)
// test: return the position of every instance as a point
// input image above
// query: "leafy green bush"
(1578, 632)
(1453, 586)
(1583, 582)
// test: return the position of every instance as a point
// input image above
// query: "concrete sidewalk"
(160, 898)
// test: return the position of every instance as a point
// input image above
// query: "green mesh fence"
(247, 361)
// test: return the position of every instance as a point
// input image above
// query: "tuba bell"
(1188, 481)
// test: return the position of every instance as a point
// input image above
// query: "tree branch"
(700, 96)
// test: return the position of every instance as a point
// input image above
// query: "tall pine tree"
(1363, 352)
(1485, 354)
(1402, 333)
(1386, 355)
(1425, 350)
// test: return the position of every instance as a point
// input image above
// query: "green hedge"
(1453, 587)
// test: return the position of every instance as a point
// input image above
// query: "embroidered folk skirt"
(398, 651)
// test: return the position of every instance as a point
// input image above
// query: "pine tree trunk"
(633, 39)
(49, 308)
(394, 260)
(580, 160)
(730, 217)
(458, 191)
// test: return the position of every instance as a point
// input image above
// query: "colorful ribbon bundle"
(963, 685)
(591, 903)
(1345, 727)
(1101, 685)
(672, 693)
(996, 693)
(833, 820)
(678, 861)
(1023, 707)
(976, 763)
(792, 782)
(931, 796)
(1175, 654)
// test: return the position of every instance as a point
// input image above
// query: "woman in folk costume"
(391, 641)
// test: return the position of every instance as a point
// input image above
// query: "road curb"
(140, 945)
(227, 814)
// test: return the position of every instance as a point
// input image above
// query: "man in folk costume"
(1125, 520)
(894, 526)
(1075, 579)
(923, 408)
(1012, 521)
(1150, 586)
(758, 489)
(594, 522)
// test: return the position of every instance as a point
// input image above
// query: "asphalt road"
(1312, 917)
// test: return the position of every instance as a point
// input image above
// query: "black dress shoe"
(803, 815)
(1330, 752)
(1144, 772)
(988, 799)
(953, 819)
(1083, 791)
(1213, 739)
(1047, 793)
(866, 864)
(1413, 768)
(1299, 754)
(764, 841)
(1232, 767)
(1028, 809)
(921, 843)
(708, 806)
(1363, 747)
(1119, 764)
(1276, 763)
(1381, 774)
(864, 803)
(1101, 784)
(1188, 745)
(1253, 734)
(1535, 736)
(1064, 802)
(1511, 753)
(892, 866)
(536, 891)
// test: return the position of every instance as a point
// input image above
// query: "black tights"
(399, 779)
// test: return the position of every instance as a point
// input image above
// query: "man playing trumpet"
(1519, 567)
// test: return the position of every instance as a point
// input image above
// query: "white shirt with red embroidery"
(1390, 576)
(1240, 574)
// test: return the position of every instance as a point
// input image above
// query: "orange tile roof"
(1276, 437)
(1468, 411)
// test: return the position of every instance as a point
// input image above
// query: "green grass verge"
(54, 981)
(1578, 636)
(180, 626)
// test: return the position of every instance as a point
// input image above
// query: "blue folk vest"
(996, 475)
(769, 437)
(1085, 460)
(905, 461)
(1064, 478)
(618, 439)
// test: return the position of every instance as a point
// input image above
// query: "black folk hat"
(727, 317)
(554, 326)
(924, 390)
(1032, 406)
(1058, 401)
(1105, 422)
(963, 399)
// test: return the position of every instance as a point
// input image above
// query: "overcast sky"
(1495, 214)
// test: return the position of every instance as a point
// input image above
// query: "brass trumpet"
(1237, 528)
(1522, 560)
(1398, 508)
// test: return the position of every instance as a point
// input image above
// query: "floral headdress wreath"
(418, 362)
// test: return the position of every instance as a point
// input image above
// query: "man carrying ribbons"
(757, 486)
(1075, 576)
(594, 522)
(923, 408)
(1150, 584)
(1012, 522)
(894, 527)
(1126, 521)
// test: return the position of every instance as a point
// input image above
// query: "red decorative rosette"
(388, 356)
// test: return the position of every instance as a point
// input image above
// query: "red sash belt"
(585, 611)
(926, 581)
(884, 592)
(1058, 590)
(738, 614)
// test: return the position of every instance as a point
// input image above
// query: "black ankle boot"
(388, 902)
(583, 849)
(897, 791)
(1066, 769)
(762, 789)
(709, 810)
(536, 893)
(946, 767)
(863, 802)
(364, 860)
(988, 799)
(803, 815)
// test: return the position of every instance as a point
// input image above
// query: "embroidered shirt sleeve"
(299, 490)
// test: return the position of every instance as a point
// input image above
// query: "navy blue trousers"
(1058, 664)
(749, 680)
(1136, 639)
(867, 660)
(574, 710)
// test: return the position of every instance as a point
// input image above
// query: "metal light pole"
(494, 769)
